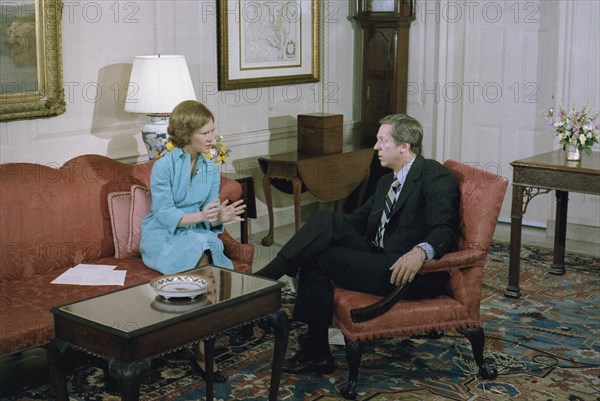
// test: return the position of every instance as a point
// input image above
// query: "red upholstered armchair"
(481, 194)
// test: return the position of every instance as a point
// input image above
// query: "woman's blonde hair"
(185, 119)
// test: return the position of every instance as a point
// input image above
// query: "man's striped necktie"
(387, 211)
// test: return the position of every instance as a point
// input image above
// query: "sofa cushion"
(26, 318)
(141, 205)
(75, 226)
(73, 223)
(119, 205)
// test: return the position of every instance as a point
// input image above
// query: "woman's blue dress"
(164, 246)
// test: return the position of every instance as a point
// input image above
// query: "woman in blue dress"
(186, 217)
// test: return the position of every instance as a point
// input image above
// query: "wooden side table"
(328, 177)
(541, 174)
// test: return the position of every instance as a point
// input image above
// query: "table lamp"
(157, 85)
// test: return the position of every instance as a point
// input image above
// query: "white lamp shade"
(158, 84)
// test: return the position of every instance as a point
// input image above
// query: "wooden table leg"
(57, 350)
(249, 197)
(209, 357)
(514, 264)
(268, 239)
(363, 188)
(128, 376)
(280, 323)
(244, 223)
(297, 186)
(244, 229)
(560, 233)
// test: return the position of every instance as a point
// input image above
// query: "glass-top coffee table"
(130, 327)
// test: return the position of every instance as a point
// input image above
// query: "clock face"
(379, 6)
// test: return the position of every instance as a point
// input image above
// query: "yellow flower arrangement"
(218, 153)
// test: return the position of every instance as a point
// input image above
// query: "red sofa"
(51, 219)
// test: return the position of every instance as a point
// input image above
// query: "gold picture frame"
(268, 43)
(31, 59)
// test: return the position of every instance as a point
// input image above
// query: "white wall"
(554, 44)
(480, 74)
(100, 40)
(96, 63)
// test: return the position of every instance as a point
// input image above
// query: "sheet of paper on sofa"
(86, 274)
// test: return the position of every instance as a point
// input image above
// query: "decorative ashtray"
(180, 285)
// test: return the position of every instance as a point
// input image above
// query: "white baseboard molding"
(577, 232)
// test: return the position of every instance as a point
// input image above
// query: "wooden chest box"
(320, 133)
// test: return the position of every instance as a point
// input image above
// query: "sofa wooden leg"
(476, 337)
(354, 351)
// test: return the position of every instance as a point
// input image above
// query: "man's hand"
(407, 266)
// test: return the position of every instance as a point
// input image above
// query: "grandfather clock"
(385, 25)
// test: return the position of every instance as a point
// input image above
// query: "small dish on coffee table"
(179, 305)
(180, 285)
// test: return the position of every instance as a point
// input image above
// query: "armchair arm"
(237, 251)
(378, 308)
(453, 260)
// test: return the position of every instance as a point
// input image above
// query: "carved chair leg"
(354, 351)
(476, 337)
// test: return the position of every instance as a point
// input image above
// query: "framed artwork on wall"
(268, 43)
(31, 80)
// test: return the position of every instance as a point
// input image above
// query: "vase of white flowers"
(572, 152)
(576, 131)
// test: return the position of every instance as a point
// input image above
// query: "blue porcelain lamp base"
(155, 136)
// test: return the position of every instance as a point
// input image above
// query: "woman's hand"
(214, 214)
(231, 212)
(210, 212)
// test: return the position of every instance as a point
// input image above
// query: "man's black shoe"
(299, 363)
(218, 376)
(303, 340)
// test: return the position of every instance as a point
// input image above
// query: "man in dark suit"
(412, 217)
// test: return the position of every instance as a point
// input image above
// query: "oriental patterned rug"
(545, 345)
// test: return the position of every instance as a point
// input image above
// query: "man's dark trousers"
(329, 249)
